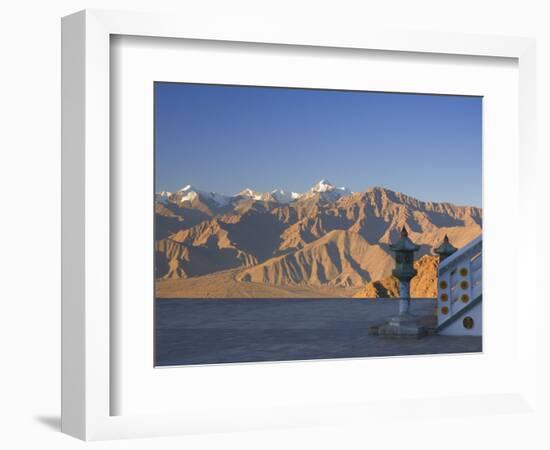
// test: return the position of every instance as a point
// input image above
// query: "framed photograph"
(293, 265)
(266, 228)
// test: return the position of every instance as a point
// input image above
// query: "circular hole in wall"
(468, 322)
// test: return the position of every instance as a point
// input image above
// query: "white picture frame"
(87, 354)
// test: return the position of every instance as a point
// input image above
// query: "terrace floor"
(209, 331)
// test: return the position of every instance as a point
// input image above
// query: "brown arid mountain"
(423, 285)
(288, 244)
(339, 258)
(175, 260)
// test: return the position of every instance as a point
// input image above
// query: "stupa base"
(403, 326)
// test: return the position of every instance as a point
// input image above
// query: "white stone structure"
(459, 303)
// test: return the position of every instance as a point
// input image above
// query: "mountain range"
(327, 241)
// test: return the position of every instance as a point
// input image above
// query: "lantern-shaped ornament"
(404, 269)
(404, 250)
(446, 249)
(403, 325)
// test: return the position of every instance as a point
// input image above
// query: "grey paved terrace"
(204, 331)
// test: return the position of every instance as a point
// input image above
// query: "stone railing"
(459, 280)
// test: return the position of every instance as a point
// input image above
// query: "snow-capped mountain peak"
(327, 191)
(190, 193)
(250, 194)
(282, 196)
(324, 190)
(163, 197)
(323, 186)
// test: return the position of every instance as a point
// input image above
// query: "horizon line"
(371, 188)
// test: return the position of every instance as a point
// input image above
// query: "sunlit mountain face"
(328, 237)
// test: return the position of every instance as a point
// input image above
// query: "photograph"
(296, 224)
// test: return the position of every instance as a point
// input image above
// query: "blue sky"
(226, 138)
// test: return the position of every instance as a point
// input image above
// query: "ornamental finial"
(445, 249)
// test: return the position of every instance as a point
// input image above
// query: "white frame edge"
(72, 225)
(86, 174)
